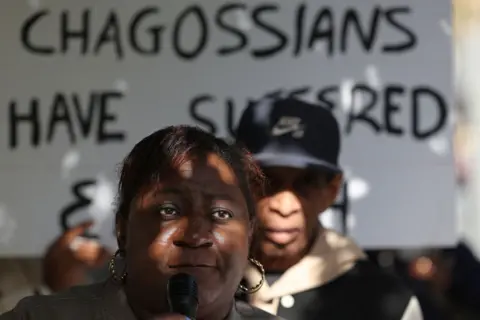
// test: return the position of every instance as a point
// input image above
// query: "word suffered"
(67, 112)
(335, 30)
(379, 111)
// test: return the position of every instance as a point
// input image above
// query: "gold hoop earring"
(112, 268)
(257, 287)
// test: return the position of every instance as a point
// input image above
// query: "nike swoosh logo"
(278, 131)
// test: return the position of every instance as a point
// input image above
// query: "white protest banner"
(82, 81)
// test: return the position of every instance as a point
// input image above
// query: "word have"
(379, 111)
(334, 30)
(66, 112)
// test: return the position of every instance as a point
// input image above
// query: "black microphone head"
(183, 294)
(182, 284)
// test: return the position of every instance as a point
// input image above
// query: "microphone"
(182, 293)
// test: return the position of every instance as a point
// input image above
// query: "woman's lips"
(178, 266)
(199, 271)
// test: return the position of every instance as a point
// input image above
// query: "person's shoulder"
(19, 278)
(366, 272)
(79, 301)
(377, 285)
(247, 311)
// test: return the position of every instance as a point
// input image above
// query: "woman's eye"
(222, 214)
(168, 211)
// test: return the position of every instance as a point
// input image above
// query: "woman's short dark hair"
(152, 157)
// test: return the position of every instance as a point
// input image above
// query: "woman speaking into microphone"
(185, 206)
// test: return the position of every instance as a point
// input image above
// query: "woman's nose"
(196, 234)
(193, 241)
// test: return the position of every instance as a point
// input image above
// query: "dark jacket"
(105, 301)
(335, 281)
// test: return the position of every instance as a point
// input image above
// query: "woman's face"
(194, 221)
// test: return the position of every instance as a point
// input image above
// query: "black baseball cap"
(291, 133)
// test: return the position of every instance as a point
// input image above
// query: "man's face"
(288, 214)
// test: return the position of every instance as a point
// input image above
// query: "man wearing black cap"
(311, 272)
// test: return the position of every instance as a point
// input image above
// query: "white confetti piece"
(101, 210)
(351, 221)
(104, 194)
(357, 188)
(372, 76)
(70, 160)
(121, 85)
(446, 27)
(346, 94)
(243, 21)
(318, 47)
(85, 242)
(90, 191)
(453, 117)
(357, 103)
(347, 172)
(8, 226)
(104, 212)
(76, 243)
(327, 218)
(33, 4)
(439, 145)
